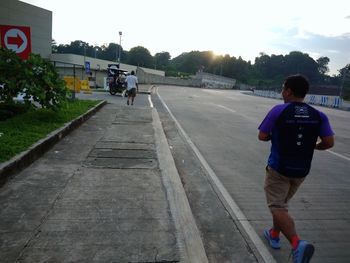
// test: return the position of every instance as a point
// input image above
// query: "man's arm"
(264, 136)
(325, 143)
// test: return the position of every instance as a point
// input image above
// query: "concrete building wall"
(204, 80)
(96, 63)
(215, 81)
(98, 67)
(149, 78)
(13, 12)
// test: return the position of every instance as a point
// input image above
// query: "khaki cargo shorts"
(132, 92)
(279, 189)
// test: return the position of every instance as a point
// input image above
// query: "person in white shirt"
(132, 87)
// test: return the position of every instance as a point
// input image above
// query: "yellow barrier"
(70, 82)
(85, 86)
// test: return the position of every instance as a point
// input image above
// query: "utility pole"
(96, 48)
(343, 81)
(120, 44)
(82, 44)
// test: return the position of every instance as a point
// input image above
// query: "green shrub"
(44, 84)
(12, 79)
(35, 78)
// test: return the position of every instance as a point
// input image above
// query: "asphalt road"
(223, 127)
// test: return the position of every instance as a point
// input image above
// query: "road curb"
(149, 91)
(25, 158)
(189, 238)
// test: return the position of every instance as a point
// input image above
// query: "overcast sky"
(235, 27)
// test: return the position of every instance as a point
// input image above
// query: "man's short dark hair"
(298, 84)
(132, 72)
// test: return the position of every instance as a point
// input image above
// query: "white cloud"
(333, 51)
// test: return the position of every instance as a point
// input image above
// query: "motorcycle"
(116, 80)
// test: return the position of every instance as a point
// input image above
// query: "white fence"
(327, 101)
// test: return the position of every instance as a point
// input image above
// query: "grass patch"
(20, 132)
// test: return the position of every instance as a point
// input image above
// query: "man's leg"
(291, 234)
(279, 190)
(283, 222)
(133, 96)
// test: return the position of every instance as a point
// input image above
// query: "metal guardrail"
(327, 101)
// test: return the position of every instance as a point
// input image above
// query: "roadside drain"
(114, 155)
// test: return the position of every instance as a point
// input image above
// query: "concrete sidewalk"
(102, 194)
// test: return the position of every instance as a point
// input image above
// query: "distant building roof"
(96, 63)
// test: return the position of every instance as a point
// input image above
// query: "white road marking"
(221, 106)
(225, 197)
(237, 113)
(339, 155)
(212, 91)
(150, 101)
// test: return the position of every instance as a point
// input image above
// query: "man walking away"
(132, 85)
(293, 128)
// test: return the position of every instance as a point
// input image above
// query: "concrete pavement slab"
(137, 132)
(96, 196)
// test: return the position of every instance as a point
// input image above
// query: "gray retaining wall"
(148, 78)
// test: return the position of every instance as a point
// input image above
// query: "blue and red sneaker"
(274, 242)
(303, 253)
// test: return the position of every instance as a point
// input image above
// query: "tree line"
(267, 70)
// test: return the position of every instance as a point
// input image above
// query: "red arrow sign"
(17, 40)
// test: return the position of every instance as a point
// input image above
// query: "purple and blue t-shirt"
(294, 129)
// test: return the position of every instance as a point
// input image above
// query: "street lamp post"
(84, 53)
(120, 43)
(85, 60)
(82, 44)
(345, 71)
